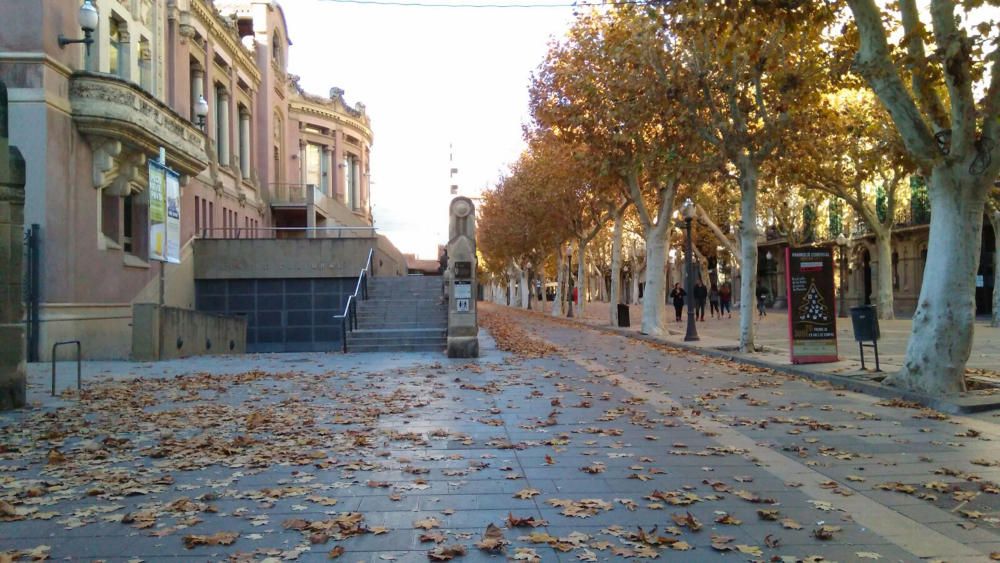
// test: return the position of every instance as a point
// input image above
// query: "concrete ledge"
(951, 405)
(184, 333)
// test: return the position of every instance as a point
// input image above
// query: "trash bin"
(623, 319)
(865, 321)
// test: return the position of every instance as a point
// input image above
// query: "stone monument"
(12, 374)
(463, 321)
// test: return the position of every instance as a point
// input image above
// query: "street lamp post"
(842, 243)
(569, 275)
(201, 111)
(688, 211)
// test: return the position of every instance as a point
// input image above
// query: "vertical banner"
(173, 218)
(157, 212)
(812, 319)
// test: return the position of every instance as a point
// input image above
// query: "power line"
(403, 4)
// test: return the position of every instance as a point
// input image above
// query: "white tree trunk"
(616, 268)
(654, 309)
(941, 337)
(525, 295)
(581, 276)
(511, 295)
(560, 275)
(995, 221)
(883, 244)
(748, 257)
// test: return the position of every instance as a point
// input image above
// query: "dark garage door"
(283, 315)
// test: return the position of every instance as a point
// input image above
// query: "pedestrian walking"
(700, 296)
(713, 301)
(761, 302)
(678, 295)
(726, 300)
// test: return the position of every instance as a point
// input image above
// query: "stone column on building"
(303, 165)
(13, 384)
(355, 186)
(223, 110)
(310, 211)
(328, 167)
(339, 173)
(245, 143)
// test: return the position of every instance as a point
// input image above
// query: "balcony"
(291, 198)
(123, 124)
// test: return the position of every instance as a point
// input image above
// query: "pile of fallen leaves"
(509, 335)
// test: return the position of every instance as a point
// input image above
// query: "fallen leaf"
(446, 553)
(218, 538)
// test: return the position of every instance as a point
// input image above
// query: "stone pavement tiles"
(608, 449)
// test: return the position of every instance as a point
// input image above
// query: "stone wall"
(184, 333)
(12, 374)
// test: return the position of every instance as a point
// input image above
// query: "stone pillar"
(326, 171)
(245, 143)
(310, 211)
(12, 175)
(339, 193)
(463, 320)
(223, 111)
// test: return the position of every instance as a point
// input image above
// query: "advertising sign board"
(812, 319)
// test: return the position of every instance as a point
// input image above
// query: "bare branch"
(873, 62)
(956, 48)
(928, 99)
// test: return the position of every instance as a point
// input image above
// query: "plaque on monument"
(812, 321)
(463, 290)
(463, 270)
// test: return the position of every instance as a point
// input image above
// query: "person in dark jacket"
(678, 295)
(700, 296)
(762, 293)
(713, 302)
(725, 300)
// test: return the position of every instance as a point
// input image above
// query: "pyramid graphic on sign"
(813, 309)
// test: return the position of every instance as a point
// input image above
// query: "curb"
(957, 405)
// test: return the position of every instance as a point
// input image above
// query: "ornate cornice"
(107, 108)
(225, 33)
(324, 111)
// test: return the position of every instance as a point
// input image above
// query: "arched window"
(276, 49)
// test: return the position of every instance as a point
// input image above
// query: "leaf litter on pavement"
(158, 456)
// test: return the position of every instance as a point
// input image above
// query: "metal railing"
(261, 233)
(349, 320)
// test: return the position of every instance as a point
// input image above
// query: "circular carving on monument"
(461, 208)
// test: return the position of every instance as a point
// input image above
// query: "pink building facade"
(267, 160)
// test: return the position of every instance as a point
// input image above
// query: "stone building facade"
(268, 161)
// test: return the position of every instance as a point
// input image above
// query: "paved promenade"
(772, 334)
(587, 447)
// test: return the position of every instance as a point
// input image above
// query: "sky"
(430, 78)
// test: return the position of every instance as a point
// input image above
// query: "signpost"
(812, 320)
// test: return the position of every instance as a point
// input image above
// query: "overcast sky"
(429, 77)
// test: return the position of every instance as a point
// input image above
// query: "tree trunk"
(560, 275)
(883, 244)
(941, 337)
(616, 268)
(748, 248)
(511, 295)
(581, 277)
(995, 221)
(654, 308)
(525, 296)
(635, 281)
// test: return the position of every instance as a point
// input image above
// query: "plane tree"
(939, 79)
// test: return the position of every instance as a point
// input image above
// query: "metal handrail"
(350, 316)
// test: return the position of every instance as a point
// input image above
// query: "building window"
(111, 216)
(211, 218)
(145, 65)
(314, 165)
(197, 215)
(276, 49)
(116, 47)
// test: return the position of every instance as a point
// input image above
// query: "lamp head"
(688, 210)
(769, 255)
(841, 240)
(88, 16)
(201, 107)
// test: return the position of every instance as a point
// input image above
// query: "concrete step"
(364, 348)
(398, 332)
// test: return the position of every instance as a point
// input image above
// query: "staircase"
(401, 314)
